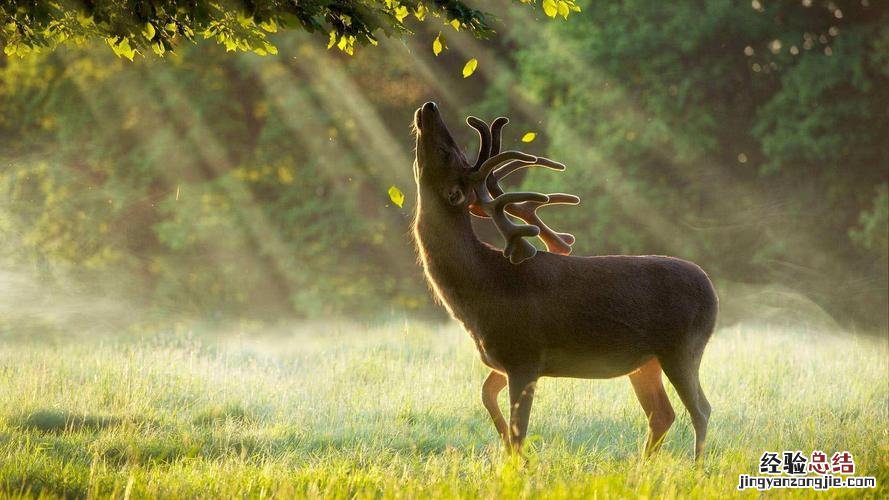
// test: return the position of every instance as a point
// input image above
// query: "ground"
(332, 410)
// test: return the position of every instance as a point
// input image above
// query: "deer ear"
(455, 195)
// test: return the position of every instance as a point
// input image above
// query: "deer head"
(443, 172)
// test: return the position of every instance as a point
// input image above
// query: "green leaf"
(469, 68)
(396, 196)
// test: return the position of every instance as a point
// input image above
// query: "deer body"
(558, 315)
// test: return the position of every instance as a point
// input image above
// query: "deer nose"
(430, 107)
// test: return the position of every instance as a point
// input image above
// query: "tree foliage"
(748, 137)
(213, 186)
(132, 27)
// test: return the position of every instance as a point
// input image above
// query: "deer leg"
(683, 374)
(495, 383)
(649, 390)
(521, 395)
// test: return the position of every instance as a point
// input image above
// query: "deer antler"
(484, 137)
(491, 201)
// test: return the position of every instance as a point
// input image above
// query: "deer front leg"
(521, 395)
(495, 383)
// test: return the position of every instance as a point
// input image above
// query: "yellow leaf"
(420, 13)
(550, 8)
(124, 49)
(149, 31)
(528, 137)
(455, 23)
(396, 196)
(285, 175)
(400, 13)
(469, 68)
(332, 39)
(563, 9)
(439, 44)
(269, 26)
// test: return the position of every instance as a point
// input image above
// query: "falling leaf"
(469, 69)
(177, 192)
(396, 196)
(529, 137)
(439, 44)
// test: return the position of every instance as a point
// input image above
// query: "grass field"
(336, 410)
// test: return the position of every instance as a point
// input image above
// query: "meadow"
(394, 411)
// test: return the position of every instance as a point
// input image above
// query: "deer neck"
(454, 260)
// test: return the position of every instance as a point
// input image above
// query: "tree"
(749, 137)
(132, 27)
(216, 185)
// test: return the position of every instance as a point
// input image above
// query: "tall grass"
(343, 411)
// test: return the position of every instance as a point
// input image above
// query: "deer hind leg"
(683, 374)
(649, 388)
(495, 383)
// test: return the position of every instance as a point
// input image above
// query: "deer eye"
(456, 196)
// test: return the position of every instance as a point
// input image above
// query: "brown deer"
(549, 314)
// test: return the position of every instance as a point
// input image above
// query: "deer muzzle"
(427, 118)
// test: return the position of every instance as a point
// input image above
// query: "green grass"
(395, 412)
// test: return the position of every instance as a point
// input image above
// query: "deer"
(534, 314)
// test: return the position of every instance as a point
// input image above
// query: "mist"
(238, 189)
